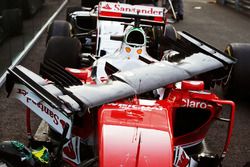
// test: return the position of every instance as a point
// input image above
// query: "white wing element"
(144, 79)
(122, 84)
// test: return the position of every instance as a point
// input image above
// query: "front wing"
(121, 84)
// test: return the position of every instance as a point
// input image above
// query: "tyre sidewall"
(59, 28)
(239, 80)
(65, 51)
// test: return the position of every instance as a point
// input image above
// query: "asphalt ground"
(11, 46)
(206, 20)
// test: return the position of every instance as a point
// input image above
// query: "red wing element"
(69, 151)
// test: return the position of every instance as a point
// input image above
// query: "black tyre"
(59, 28)
(162, 40)
(155, 35)
(238, 84)
(72, 10)
(12, 21)
(89, 3)
(170, 32)
(64, 50)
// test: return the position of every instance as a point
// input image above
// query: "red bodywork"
(131, 133)
(136, 132)
(134, 135)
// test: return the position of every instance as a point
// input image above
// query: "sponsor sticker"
(131, 9)
(52, 116)
(194, 104)
(137, 107)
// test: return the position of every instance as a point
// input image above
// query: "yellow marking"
(39, 154)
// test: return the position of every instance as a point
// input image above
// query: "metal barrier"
(241, 5)
(9, 56)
